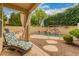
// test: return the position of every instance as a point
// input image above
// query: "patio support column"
(24, 17)
(25, 20)
(27, 35)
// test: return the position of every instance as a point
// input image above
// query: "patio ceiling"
(0, 5)
(22, 6)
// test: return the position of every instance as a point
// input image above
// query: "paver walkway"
(51, 41)
(50, 48)
(36, 51)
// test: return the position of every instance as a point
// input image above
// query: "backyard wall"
(63, 30)
(14, 28)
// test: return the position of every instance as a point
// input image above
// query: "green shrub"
(68, 38)
(75, 33)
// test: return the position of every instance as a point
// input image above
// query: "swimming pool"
(49, 34)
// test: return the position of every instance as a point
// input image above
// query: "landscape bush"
(75, 33)
(68, 38)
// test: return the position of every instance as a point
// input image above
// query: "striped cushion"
(12, 40)
(24, 45)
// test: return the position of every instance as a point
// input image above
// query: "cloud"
(43, 7)
(55, 11)
(8, 11)
(8, 15)
(52, 11)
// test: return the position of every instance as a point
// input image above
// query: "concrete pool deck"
(45, 37)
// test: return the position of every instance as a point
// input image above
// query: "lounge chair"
(19, 45)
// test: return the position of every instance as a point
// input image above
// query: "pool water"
(49, 34)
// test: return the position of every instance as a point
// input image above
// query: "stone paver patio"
(50, 48)
(51, 41)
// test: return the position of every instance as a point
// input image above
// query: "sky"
(8, 11)
(53, 8)
(49, 8)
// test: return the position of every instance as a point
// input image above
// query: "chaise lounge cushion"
(12, 40)
(24, 45)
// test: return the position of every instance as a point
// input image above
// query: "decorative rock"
(50, 48)
(51, 41)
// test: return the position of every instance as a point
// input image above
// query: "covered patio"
(25, 13)
(42, 45)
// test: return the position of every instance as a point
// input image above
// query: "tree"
(4, 19)
(69, 17)
(15, 19)
(39, 15)
(34, 21)
(1, 13)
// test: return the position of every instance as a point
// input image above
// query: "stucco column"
(25, 23)
(22, 18)
(28, 27)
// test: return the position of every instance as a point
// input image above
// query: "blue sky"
(53, 8)
(57, 5)
(50, 8)
(8, 11)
